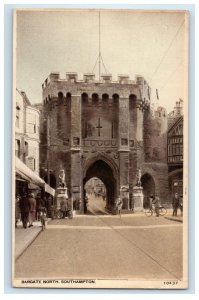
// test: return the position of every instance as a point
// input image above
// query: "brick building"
(103, 129)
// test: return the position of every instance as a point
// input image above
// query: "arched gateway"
(107, 172)
(105, 129)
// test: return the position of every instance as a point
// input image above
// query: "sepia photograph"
(100, 148)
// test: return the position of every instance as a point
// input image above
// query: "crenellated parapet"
(57, 89)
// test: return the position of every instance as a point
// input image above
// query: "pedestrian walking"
(38, 206)
(32, 209)
(156, 203)
(119, 205)
(24, 208)
(17, 210)
(181, 205)
(175, 204)
(49, 208)
(151, 198)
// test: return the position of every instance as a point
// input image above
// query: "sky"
(150, 44)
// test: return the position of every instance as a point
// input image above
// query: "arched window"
(85, 98)
(60, 97)
(95, 98)
(132, 101)
(68, 99)
(115, 98)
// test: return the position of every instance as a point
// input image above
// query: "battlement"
(160, 112)
(72, 77)
(55, 87)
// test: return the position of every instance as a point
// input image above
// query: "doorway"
(102, 174)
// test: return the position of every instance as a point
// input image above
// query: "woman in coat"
(32, 209)
(24, 208)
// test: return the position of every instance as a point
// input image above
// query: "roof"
(25, 97)
(175, 123)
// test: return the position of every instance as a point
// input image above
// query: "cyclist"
(151, 198)
(156, 203)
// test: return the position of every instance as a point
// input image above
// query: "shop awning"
(28, 174)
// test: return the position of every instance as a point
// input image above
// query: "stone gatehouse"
(103, 129)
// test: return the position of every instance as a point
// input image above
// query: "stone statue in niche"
(62, 176)
(138, 176)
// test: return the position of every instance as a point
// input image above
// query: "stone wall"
(111, 120)
(155, 135)
(159, 172)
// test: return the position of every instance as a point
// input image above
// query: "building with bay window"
(175, 149)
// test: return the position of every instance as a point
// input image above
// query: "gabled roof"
(175, 122)
(25, 97)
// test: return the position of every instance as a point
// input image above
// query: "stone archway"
(148, 185)
(102, 169)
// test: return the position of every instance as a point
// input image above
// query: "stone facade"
(27, 132)
(103, 129)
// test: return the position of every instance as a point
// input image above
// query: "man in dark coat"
(24, 208)
(181, 205)
(175, 204)
(32, 209)
(64, 206)
(156, 203)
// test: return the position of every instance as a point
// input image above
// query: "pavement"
(25, 237)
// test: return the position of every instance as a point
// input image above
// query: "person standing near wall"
(32, 209)
(119, 205)
(24, 208)
(151, 198)
(175, 204)
(17, 210)
(181, 205)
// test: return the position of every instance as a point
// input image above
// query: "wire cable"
(166, 52)
(168, 79)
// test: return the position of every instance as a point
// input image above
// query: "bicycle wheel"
(148, 212)
(59, 214)
(162, 211)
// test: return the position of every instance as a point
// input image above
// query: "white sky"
(131, 43)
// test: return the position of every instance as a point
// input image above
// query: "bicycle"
(149, 212)
(59, 214)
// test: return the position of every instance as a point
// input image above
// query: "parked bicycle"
(150, 211)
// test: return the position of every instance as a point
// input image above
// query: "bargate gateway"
(103, 129)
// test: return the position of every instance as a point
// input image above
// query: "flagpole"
(99, 49)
